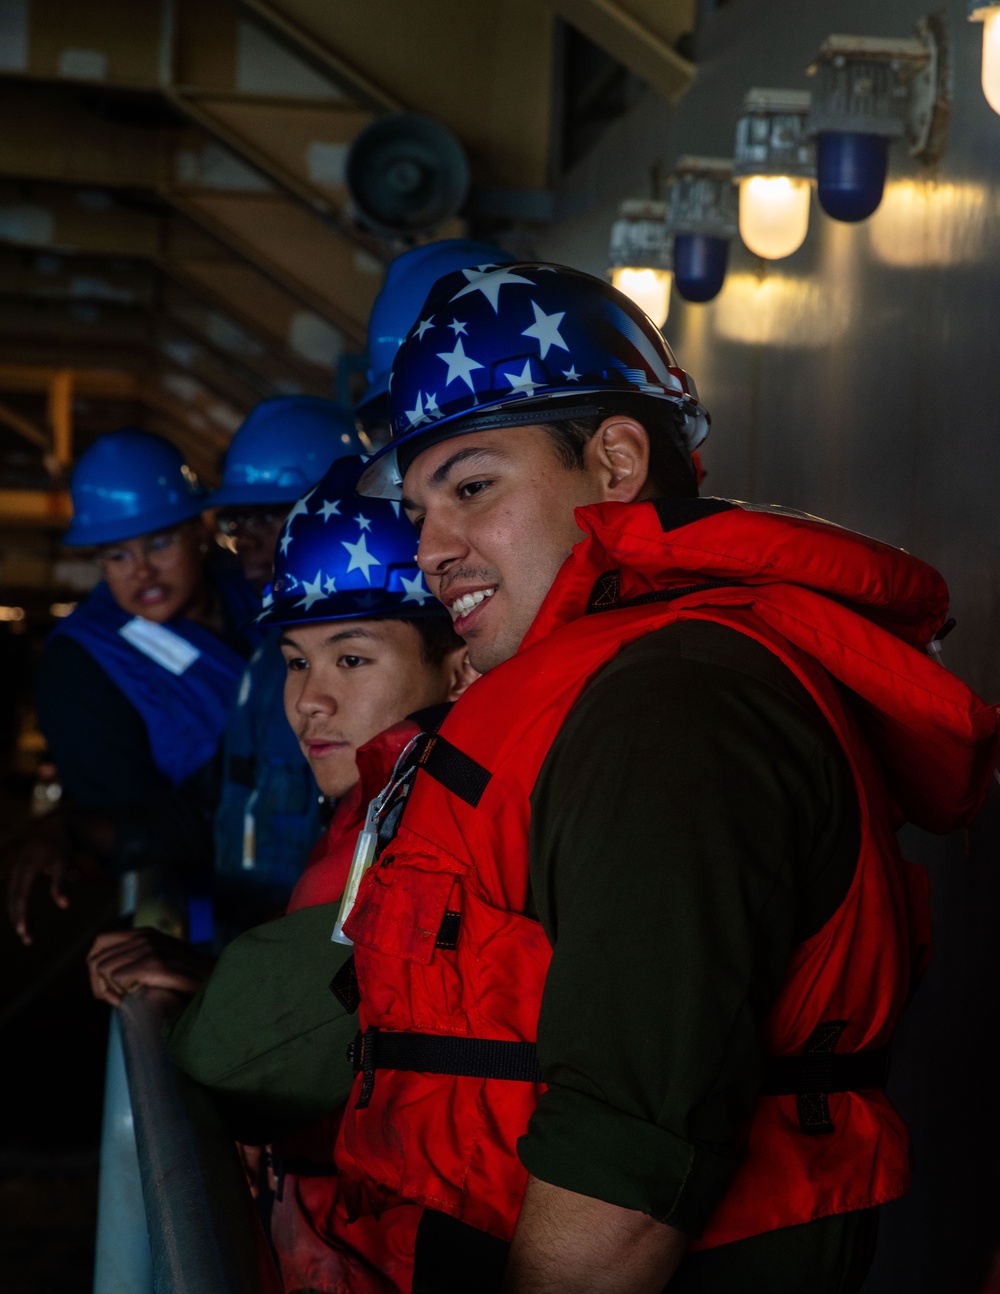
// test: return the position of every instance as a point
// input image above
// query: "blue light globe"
(699, 265)
(850, 173)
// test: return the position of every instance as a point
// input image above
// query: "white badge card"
(160, 644)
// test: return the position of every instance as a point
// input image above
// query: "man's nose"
(440, 545)
(315, 697)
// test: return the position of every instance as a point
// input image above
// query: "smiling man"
(631, 960)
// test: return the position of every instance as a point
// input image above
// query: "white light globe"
(648, 288)
(991, 58)
(774, 214)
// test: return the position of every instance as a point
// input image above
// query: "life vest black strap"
(432, 1053)
(820, 1073)
(606, 593)
(454, 769)
(815, 1074)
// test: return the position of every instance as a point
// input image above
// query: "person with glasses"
(135, 685)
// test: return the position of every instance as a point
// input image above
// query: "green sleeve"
(266, 1034)
(693, 819)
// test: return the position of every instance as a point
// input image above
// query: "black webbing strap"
(454, 769)
(820, 1073)
(431, 1053)
(606, 593)
(809, 1077)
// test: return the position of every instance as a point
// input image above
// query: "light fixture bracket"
(702, 198)
(888, 86)
(639, 237)
(772, 136)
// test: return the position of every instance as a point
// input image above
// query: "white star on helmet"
(361, 559)
(546, 329)
(416, 415)
(460, 365)
(416, 589)
(314, 591)
(489, 281)
(521, 383)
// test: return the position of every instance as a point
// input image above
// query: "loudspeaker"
(406, 174)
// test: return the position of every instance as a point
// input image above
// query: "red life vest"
(318, 1247)
(851, 618)
(325, 873)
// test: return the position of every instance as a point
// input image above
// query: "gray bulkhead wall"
(860, 380)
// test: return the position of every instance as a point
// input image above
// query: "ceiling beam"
(24, 427)
(291, 247)
(639, 33)
(51, 509)
(97, 383)
(301, 147)
(484, 70)
(249, 310)
(321, 54)
(60, 411)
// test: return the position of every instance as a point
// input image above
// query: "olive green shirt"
(694, 820)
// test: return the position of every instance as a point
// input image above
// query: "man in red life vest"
(632, 957)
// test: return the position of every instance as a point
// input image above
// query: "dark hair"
(437, 637)
(671, 472)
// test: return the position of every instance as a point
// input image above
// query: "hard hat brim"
(81, 535)
(383, 479)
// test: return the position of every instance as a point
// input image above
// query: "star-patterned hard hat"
(505, 345)
(341, 557)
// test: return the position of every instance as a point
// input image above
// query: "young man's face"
(349, 680)
(495, 515)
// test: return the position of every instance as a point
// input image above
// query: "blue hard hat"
(524, 343)
(407, 281)
(341, 557)
(130, 483)
(284, 447)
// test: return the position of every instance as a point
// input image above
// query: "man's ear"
(617, 456)
(459, 672)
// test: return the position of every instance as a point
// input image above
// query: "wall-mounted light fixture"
(640, 258)
(869, 91)
(774, 166)
(989, 16)
(702, 216)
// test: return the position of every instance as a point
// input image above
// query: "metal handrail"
(205, 1236)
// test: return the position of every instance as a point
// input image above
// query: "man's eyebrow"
(342, 635)
(356, 632)
(440, 475)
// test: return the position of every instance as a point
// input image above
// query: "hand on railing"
(124, 960)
